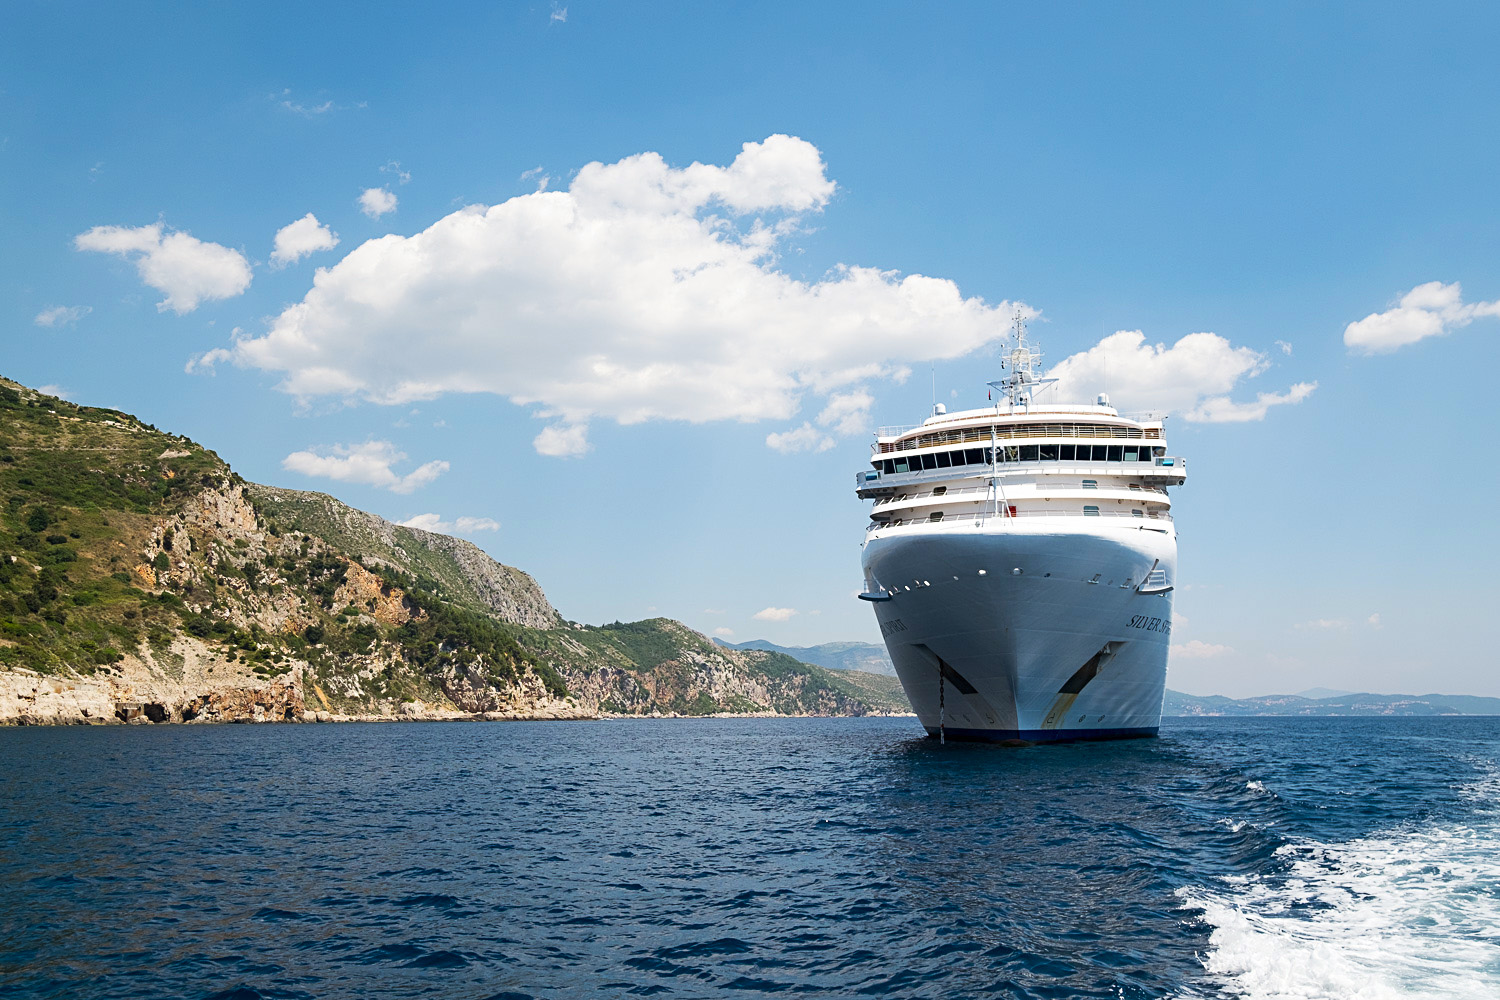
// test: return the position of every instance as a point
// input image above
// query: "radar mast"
(1023, 361)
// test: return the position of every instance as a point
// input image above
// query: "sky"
(619, 291)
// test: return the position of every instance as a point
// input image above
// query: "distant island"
(143, 581)
(1339, 704)
(1326, 702)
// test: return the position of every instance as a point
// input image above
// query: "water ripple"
(810, 857)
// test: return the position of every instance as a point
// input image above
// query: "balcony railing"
(971, 490)
(984, 517)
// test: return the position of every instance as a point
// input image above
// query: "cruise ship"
(1020, 560)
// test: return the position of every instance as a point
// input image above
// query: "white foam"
(1412, 913)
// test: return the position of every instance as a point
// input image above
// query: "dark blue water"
(840, 857)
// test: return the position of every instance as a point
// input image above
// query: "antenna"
(1022, 382)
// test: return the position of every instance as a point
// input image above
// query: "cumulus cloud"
(1196, 649)
(369, 463)
(1193, 377)
(774, 614)
(376, 202)
(300, 239)
(458, 526)
(641, 292)
(804, 438)
(562, 440)
(188, 270)
(58, 316)
(1428, 310)
(1324, 623)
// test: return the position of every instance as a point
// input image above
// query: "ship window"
(959, 457)
(928, 462)
(938, 491)
(1096, 452)
(1114, 452)
(1090, 511)
(936, 515)
(1091, 484)
(890, 466)
(1145, 454)
(1028, 453)
(1049, 453)
(1130, 454)
(943, 461)
(1012, 453)
(901, 465)
(1137, 513)
(1066, 452)
(975, 456)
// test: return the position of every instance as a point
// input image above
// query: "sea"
(1250, 857)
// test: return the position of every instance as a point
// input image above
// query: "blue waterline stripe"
(1044, 735)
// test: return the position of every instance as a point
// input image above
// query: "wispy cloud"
(369, 464)
(1196, 649)
(60, 316)
(459, 525)
(310, 108)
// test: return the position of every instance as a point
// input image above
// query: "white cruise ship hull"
(1030, 629)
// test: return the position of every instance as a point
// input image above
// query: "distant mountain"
(866, 656)
(1317, 693)
(1179, 704)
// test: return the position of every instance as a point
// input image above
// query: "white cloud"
(189, 270)
(804, 438)
(559, 15)
(1286, 348)
(724, 633)
(713, 611)
(1193, 377)
(459, 525)
(848, 413)
(1324, 623)
(301, 238)
(285, 101)
(563, 440)
(376, 202)
(642, 292)
(1374, 620)
(774, 614)
(369, 463)
(1223, 410)
(55, 390)
(394, 167)
(1426, 311)
(206, 362)
(62, 315)
(1199, 650)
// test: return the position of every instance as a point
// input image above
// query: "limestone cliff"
(142, 580)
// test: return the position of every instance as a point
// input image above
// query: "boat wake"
(1411, 912)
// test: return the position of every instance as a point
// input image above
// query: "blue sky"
(1267, 175)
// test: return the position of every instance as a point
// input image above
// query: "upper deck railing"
(1010, 432)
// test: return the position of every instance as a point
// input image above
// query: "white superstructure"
(1020, 559)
